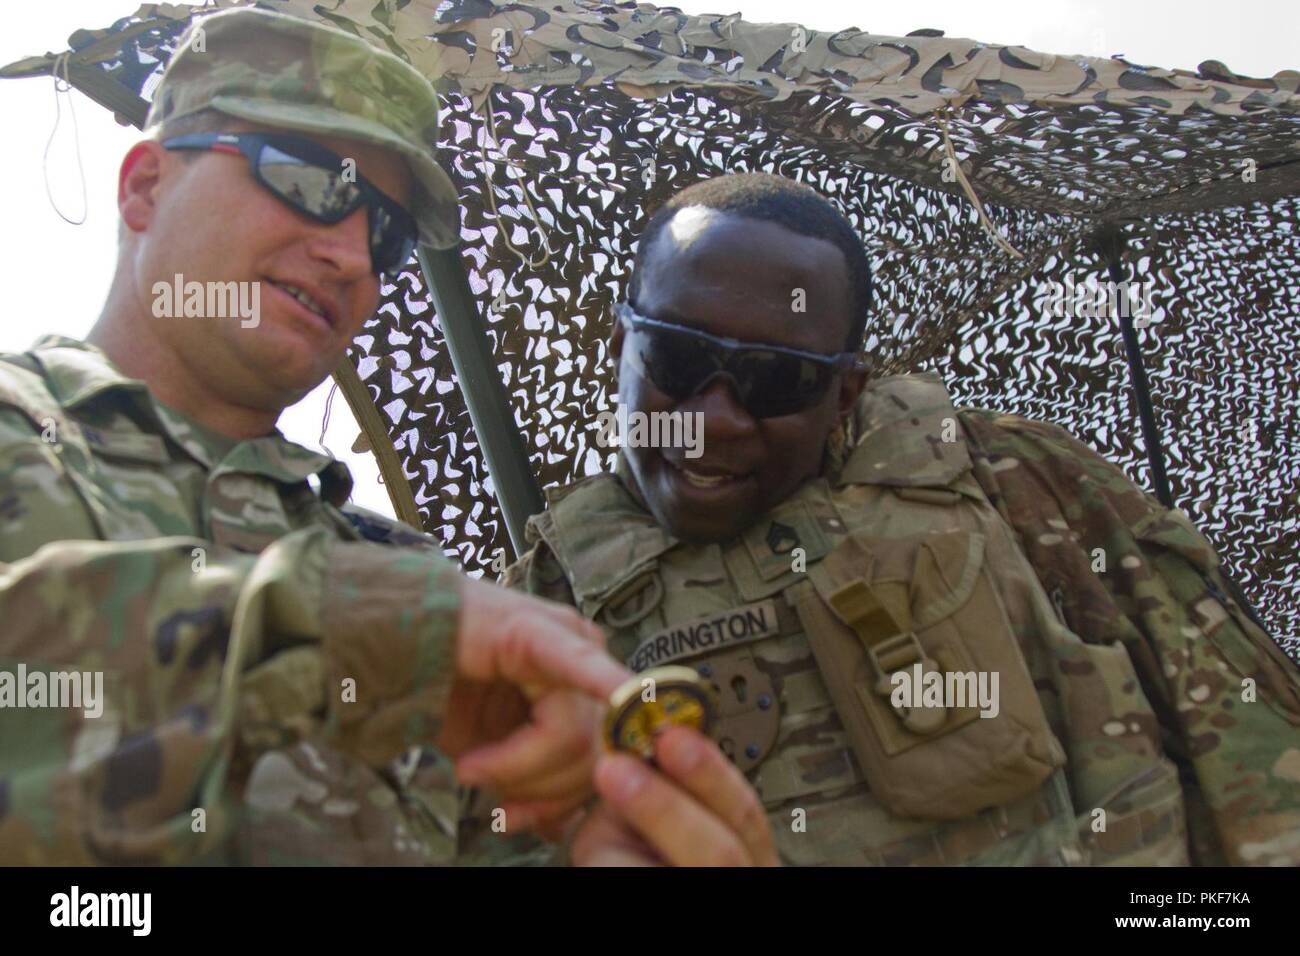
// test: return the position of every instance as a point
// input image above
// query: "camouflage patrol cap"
(299, 75)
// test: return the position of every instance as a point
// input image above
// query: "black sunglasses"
(310, 178)
(770, 380)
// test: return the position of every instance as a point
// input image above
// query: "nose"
(344, 245)
(725, 417)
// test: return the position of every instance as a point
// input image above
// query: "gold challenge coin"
(653, 701)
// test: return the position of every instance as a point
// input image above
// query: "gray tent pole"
(480, 383)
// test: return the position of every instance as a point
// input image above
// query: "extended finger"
(549, 650)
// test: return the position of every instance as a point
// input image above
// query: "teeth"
(702, 481)
(706, 481)
(303, 297)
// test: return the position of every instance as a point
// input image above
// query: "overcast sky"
(55, 275)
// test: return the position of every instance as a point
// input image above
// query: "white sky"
(55, 275)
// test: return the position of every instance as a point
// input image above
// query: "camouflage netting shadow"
(1222, 361)
(1220, 352)
(601, 111)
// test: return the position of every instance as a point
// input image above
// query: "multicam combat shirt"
(1180, 717)
(268, 663)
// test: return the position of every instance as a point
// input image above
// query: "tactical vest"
(895, 576)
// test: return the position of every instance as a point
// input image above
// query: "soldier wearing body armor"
(938, 636)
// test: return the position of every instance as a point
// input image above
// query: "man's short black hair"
(785, 202)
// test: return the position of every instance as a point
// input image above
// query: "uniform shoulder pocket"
(1182, 578)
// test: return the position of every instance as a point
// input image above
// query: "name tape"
(750, 622)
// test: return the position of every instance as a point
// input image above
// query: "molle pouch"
(922, 663)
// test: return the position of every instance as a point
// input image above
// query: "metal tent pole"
(470, 348)
(1111, 242)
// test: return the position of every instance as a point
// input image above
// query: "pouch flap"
(931, 576)
(603, 540)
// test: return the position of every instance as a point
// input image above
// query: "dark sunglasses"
(309, 178)
(770, 380)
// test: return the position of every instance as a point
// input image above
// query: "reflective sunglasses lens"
(769, 384)
(776, 384)
(392, 242)
(392, 254)
(321, 193)
(676, 363)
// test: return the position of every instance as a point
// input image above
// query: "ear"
(137, 184)
(852, 383)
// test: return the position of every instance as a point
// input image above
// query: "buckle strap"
(891, 648)
(873, 611)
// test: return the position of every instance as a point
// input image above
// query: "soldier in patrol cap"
(240, 658)
(919, 656)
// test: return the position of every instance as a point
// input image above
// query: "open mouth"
(310, 304)
(713, 478)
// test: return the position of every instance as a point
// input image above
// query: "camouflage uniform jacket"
(266, 659)
(1168, 708)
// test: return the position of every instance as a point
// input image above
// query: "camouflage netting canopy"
(976, 174)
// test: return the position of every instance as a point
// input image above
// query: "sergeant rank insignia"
(782, 538)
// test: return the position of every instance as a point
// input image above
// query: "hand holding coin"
(653, 701)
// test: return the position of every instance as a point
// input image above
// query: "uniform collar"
(79, 373)
(908, 432)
